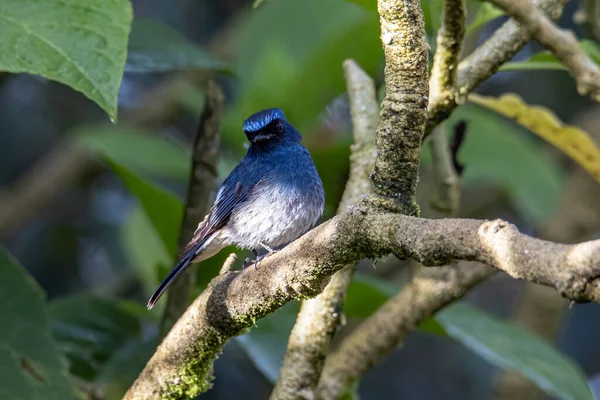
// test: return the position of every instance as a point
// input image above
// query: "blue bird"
(272, 197)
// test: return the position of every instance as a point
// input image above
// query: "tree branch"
(319, 318)
(501, 47)
(232, 303)
(561, 42)
(443, 90)
(427, 293)
(202, 180)
(403, 110)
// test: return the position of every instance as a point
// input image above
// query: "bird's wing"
(227, 199)
(230, 195)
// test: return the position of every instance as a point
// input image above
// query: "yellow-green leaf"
(573, 141)
(80, 43)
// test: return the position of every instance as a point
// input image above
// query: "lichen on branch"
(403, 110)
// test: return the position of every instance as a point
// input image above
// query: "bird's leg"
(248, 261)
(267, 248)
(257, 258)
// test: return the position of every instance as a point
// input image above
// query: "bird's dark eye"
(279, 127)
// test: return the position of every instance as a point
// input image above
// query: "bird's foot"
(249, 261)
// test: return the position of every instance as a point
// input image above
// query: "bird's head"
(269, 127)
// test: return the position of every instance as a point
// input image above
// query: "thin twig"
(202, 180)
(443, 90)
(319, 318)
(447, 195)
(561, 42)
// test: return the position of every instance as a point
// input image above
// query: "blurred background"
(71, 216)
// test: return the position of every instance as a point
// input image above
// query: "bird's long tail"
(186, 259)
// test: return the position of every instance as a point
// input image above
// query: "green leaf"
(267, 342)
(156, 47)
(163, 208)
(547, 60)
(89, 329)
(499, 152)
(485, 13)
(511, 347)
(366, 294)
(32, 368)
(137, 150)
(80, 43)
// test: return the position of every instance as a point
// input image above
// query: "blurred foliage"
(86, 51)
(286, 54)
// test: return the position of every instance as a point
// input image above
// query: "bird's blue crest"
(259, 120)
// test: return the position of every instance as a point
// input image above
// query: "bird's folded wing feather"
(228, 198)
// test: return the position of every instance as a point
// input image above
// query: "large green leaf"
(509, 346)
(90, 329)
(547, 60)
(163, 208)
(502, 153)
(137, 150)
(155, 47)
(81, 43)
(30, 365)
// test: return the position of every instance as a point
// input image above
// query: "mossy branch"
(403, 110)
(182, 365)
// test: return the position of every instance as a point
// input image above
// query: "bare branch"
(202, 180)
(447, 193)
(443, 91)
(501, 47)
(403, 110)
(442, 84)
(319, 318)
(561, 42)
(427, 293)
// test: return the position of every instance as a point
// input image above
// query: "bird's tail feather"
(184, 262)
